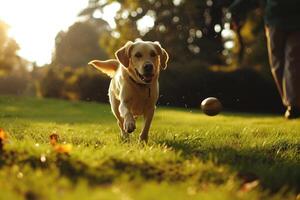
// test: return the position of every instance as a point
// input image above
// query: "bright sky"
(35, 23)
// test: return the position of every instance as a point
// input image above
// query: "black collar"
(141, 85)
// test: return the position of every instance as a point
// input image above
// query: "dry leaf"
(59, 148)
(3, 138)
(3, 135)
(53, 139)
(63, 148)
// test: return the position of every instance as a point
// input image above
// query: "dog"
(134, 87)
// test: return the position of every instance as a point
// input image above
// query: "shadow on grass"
(273, 172)
(112, 169)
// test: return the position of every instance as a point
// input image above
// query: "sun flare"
(34, 24)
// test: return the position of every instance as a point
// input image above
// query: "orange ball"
(211, 106)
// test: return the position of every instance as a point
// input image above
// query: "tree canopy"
(9, 59)
(192, 28)
(79, 44)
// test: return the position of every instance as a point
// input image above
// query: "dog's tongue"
(148, 77)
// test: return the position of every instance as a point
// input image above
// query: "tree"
(80, 44)
(67, 76)
(191, 28)
(9, 60)
(253, 53)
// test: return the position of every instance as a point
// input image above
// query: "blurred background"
(45, 46)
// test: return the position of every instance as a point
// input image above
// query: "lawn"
(189, 155)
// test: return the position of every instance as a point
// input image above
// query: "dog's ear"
(163, 55)
(123, 54)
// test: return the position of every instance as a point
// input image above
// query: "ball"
(211, 106)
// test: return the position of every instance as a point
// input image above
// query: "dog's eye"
(138, 55)
(152, 54)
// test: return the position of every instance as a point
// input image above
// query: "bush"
(93, 86)
(51, 85)
(14, 83)
(75, 84)
(242, 90)
(183, 85)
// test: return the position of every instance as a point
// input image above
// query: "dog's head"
(143, 59)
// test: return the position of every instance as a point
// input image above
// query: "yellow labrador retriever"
(134, 89)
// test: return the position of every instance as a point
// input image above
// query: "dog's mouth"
(147, 78)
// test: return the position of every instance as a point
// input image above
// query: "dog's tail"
(108, 67)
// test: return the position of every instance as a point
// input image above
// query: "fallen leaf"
(3, 135)
(53, 139)
(3, 138)
(63, 148)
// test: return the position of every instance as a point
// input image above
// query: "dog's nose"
(148, 67)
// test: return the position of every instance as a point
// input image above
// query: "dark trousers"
(284, 56)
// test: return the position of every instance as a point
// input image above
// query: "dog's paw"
(144, 138)
(124, 137)
(129, 126)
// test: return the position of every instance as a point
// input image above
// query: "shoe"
(292, 112)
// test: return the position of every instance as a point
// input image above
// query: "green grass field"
(189, 155)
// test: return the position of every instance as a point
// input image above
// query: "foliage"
(189, 155)
(80, 44)
(14, 78)
(52, 84)
(183, 27)
(242, 89)
(255, 47)
(178, 25)
(68, 76)
(8, 51)
(15, 83)
(253, 92)
(75, 84)
(190, 28)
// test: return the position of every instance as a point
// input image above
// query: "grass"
(189, 155)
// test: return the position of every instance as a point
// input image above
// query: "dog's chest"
(142, 100)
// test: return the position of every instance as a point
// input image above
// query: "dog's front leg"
(148, 116)
(129, 122)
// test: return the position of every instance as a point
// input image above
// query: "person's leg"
(291, 81)
(276, 40)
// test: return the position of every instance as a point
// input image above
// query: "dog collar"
(141, 85)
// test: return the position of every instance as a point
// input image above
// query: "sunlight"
(34, 24)
(145, 24)
(108, 13)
